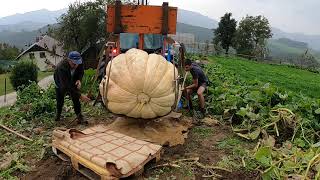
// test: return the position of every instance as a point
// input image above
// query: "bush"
(23, 73)
(88, 82)
(36, 101)
(2, 70)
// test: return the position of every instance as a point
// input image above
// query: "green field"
(10, 89)
(286, 78)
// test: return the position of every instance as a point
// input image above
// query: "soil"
(55, 169)
(194, 146)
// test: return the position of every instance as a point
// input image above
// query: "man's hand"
(78, 84)
(84, 98)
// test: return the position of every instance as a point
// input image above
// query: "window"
(42, 55)
(31, 55)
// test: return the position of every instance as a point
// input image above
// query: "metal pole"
(5, 89)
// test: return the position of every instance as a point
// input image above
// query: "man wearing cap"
(67, 77)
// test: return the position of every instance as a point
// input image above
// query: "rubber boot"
(58, 117)
(202, 113)
(81, 119)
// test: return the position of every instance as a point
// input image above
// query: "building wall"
(44, 63)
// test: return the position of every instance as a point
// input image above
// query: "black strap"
(165, 22)
(117, 18)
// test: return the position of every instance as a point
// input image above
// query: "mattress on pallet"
(119, 154)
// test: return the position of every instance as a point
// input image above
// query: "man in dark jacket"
(67, 77)
(199, 83)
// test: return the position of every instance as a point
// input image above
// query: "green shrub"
(23, 73)
(2, 70)
(88, 82)
(36, 101)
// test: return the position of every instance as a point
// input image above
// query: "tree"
(83, 24)
(251, 36)
(308, 60)
(225, 32)
(8, 52)
(207, 47)
(19, 77)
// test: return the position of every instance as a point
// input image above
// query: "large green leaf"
(250, 136)
(268, 175)
(242, 112)
(255, 134)
(263, 155)
(317, 111)
(300, 143)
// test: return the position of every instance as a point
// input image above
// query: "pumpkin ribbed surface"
(140, 85)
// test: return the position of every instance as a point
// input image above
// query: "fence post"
(5, 90)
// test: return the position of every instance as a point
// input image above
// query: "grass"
(239, 155)
(202, 132)
(10, 89)
(229, 143)
(286, 78)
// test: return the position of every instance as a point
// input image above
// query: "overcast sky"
(288, 15)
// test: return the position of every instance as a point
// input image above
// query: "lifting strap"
(117, 18)
(165, 15)
(108, 80)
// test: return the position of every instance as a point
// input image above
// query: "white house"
(46, 52)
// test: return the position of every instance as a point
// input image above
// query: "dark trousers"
(60, 101)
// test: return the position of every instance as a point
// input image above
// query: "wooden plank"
(14, 132)
(142, 19)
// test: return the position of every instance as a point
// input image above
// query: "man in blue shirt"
(199, 83)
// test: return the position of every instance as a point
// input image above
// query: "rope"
(175, 81)
(106, 103)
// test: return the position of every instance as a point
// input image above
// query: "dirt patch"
(243, 175)
(202, 142)
(198, 146)
(55, 169)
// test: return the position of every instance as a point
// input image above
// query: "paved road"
(12, 97)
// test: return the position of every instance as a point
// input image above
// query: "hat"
(75, 57)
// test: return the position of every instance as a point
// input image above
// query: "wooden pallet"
(92, 170)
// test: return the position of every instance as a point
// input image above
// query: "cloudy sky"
(289, 15)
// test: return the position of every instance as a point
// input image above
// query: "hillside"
(280, 50)
(286, 78)
(23, 26)
(21, 39)
(39, 16)
(289, 51)
(201, 34)
(312, 40)
(196, 19)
